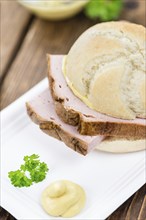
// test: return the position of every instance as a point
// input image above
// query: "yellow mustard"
(63, 198)
(83, 98)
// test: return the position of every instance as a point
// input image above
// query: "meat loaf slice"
(74, 112)
(41, 110)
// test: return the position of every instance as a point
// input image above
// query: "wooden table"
(25, 40)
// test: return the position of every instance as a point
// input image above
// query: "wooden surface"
(11, 15)
(25, 40)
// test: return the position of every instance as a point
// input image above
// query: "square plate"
(108, 179)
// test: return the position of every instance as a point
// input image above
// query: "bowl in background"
(54, 9)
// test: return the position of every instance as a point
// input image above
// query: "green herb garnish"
(31, 171)
(105, 10)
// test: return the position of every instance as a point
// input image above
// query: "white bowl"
(54, 9)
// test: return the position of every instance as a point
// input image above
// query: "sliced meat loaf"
(41, 110)
(74, 112)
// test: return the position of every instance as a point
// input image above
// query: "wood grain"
(133, 209)
(135, 12)
(14, 21)
(136, 204)
(24, 43)
(30, 65)
(142, 213)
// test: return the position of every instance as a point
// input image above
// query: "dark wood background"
(25, 40)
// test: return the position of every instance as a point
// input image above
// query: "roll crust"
(95, 59)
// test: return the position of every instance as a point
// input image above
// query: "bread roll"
(105, 68)
(121, 145)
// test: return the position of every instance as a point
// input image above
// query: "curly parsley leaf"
(19, 179)
(37, 172)
(31, 162)
(106, 10)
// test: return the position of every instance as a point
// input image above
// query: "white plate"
(108, 179)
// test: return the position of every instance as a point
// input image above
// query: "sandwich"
(96, 93)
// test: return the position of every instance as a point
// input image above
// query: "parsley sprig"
(105, 10)
(32, 171)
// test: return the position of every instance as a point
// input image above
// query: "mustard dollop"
(63, 198)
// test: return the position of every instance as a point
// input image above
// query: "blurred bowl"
(54, 9)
